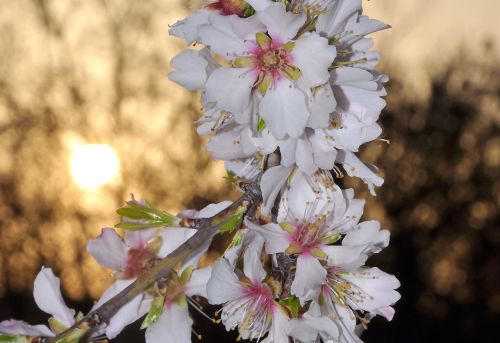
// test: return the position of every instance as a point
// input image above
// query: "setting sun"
(94, 165)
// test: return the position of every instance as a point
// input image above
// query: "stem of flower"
(209, 228)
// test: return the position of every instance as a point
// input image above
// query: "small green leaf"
(12, 339)
(248, 12)
(231, 177)
(233, 221)
(143, 216)
(292, 303)
(155, 312)
(261, 124)
(73, 337)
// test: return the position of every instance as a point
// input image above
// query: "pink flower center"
(137, 261)
(306, 237)
(228, 7)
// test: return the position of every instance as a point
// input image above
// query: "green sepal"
(12, 339)
(248, 12)
(233, 221)
(56, 326)
(231, 177)
(292, 303)
(261, 125)
(73, 337)
(155, 312)
(151, 216)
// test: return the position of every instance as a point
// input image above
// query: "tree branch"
(208, 229)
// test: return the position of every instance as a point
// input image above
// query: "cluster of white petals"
(290, 94)
(294, 79)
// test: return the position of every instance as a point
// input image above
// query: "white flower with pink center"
(270, 59)
(248, 301)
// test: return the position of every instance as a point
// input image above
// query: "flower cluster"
(290, 94)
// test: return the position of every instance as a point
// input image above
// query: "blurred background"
(87, 116)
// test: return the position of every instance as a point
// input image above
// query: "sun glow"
(94, 165)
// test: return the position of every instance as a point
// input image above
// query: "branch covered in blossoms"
(290, 94)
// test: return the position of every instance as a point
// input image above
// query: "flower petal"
(309, 277)
(308, 328)
(285, 110)
(197, 284)
(231, 88)
(313, 56)
(108, 249)
(20, 328)
(173, 237)
(276, 239)
(138, 239)
(252, 265)
(129, 313)
(190, 70)
(281, 25)
(174, 326)
(271, 183)
(47, 294)
(223, 285)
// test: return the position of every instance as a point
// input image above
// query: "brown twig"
(161, 271)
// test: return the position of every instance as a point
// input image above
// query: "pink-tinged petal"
(252, 265)
(386, 312)
(190, 70)
(197, 284)
(20, 328)
(108, 249)
(271, 183)
(188, 28)
(48, 297)
(308, 328)
(276, 239)
(309, 277)
(223, 285)
(128, 314)
(174, 326)
(285, 110)
(173, 238)
(313, 56)
(138, 239)
(231, 88)
(281, 25)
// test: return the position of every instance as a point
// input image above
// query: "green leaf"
(231, 177)
(248, 12)
(12, 339)
(155, 312)
(292, 303)
(233, 221)
(73, 337)
(261, 124)
(143, 216)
